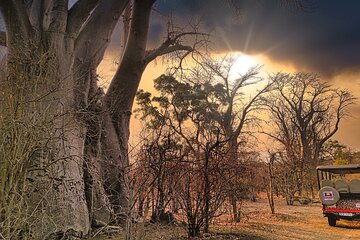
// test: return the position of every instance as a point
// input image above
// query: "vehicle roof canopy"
(340, 169)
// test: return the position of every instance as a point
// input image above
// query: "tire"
(332, 221)
(328, 195)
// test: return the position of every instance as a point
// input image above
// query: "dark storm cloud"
(325, 40)
(155, 33)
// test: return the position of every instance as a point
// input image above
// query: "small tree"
(338, 153)
(186, 109)
(236, 114)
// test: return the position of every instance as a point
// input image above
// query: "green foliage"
(340, 153)
(341, 162)
(181, 102)
(204, 111)
(182, 119)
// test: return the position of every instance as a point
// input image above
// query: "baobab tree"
(304, 114)
(79, 161)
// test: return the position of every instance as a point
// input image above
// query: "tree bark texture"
(52, 56)
(78, 171)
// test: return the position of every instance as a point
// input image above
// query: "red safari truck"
(339, 191)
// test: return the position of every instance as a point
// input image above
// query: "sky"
(320, 36)
(323, 36)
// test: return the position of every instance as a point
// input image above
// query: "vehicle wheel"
(329, 195)
(332, 221)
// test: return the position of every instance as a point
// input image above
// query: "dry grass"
(257, 223)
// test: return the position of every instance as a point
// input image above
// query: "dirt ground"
(289, 222)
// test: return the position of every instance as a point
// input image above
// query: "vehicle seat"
(341, 186)
(354, 186)
(326, 183)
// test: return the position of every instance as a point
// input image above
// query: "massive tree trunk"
(108, 201)
(76, 167)
(48, 95)
(118, 102)
(39, 84)
(121, 93)
(54, 190)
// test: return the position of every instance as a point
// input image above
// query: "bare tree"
(237, 113)
(304, 114)
(185, 109)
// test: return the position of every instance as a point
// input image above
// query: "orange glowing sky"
(349, 132)
(321, 38)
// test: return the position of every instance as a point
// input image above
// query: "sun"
(242, 64)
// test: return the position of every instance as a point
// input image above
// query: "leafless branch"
(172, 44)
(17, 21)
(58, 17)
(78, 14)
(101, 22)
(153, 54)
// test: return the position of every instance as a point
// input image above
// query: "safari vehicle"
(339, 191)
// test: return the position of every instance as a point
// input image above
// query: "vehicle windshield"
(338, 172)
(347, 177)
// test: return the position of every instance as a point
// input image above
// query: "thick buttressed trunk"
(83, 153)
(106, 188)
(90, 98)
(42, 97)
(100, 209)
(49, 95)
(114, 170)
(119, 100)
